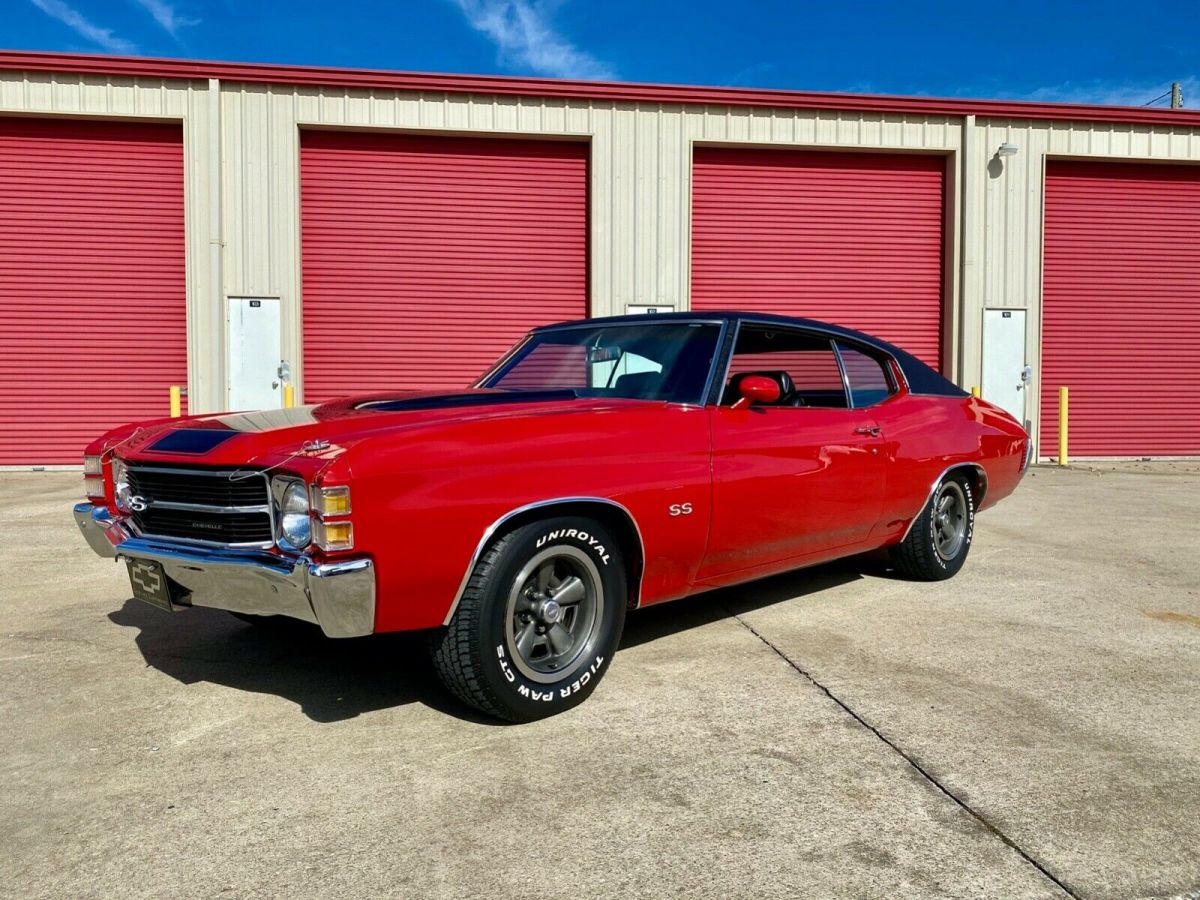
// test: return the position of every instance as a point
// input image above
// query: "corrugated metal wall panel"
(424, 258)
(855, 239)
(256, 229)
(1121, 308)
(92, 293)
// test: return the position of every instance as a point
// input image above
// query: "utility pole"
(1176, 95)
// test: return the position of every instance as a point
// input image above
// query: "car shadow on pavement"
(666, 619)
(335, 680)
(330, 680)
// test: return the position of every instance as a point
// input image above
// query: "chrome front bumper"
(339, 596)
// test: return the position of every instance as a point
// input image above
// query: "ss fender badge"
(680, 509)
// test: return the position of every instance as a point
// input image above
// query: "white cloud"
(73, 19)
(1112, 93)
(753, 75)
(166, 15)
(522, 32)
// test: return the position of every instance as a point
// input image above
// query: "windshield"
(645, 362)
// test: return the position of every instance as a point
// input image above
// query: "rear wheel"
(938, 542)
(539, 620)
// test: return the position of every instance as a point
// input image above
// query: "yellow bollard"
(289, 396)
(975, 392)
(176, 401)
(1062, 426)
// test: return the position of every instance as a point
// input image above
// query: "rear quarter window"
(869, 379)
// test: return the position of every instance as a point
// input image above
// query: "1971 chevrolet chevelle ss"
(601, 466)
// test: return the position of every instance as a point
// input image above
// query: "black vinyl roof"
(921, 378)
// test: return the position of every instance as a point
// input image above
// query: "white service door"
(254, 353)
(1005, 380)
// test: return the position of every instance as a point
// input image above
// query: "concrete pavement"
(1028, 729)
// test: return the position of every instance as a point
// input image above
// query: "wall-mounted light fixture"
(1007, 149)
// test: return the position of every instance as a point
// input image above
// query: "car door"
(795, 480)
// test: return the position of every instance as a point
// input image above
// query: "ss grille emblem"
(138, 504)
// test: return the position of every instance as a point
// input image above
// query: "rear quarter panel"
(924, 435)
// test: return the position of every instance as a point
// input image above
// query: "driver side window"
(803, 365)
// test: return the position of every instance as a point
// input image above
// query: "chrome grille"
(203, 505)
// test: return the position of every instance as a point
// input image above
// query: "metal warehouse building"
(166, 222)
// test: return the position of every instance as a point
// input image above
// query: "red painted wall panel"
(92, 294)
(425, 258)
(855, 239)
(1121, 308)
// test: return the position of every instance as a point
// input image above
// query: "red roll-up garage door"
(425, 258)
(1121, 308)
(92, 296)
(854, 239)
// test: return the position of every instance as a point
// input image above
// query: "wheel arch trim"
(492, 529)
(980, 473)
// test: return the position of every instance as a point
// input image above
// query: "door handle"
(869, 430)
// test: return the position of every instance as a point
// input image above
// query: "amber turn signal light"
(93, 477)
(331, 501)
(333, 536)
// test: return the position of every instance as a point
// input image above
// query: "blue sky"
(1102, 51)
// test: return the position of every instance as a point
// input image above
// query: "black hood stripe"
(191, 440)
(476, 398)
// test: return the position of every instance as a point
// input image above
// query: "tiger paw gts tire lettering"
(539, 621)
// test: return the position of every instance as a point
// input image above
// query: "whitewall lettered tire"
(538, 622)
(938, 542)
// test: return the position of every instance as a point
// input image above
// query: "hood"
(327, 429)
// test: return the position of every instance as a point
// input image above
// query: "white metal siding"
(640, 173)
(639, 185)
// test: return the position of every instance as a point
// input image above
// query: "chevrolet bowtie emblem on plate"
(148, 579)
(138, 504)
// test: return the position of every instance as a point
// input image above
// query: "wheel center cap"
(550, 612)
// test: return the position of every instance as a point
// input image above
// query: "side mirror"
(757, 389)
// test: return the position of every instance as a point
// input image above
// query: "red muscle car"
(600, 466)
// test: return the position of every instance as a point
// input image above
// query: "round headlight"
(121, 487)
(294, 524)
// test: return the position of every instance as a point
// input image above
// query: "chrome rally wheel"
(949, 519)
(554, 613)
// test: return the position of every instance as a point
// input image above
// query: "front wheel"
(539, 621)
(937, 544)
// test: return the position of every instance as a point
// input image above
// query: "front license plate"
(150, 583)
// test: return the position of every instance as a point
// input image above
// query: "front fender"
(426, 506)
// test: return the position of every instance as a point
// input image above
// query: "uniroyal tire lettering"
(943, 563)
(582, 537)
